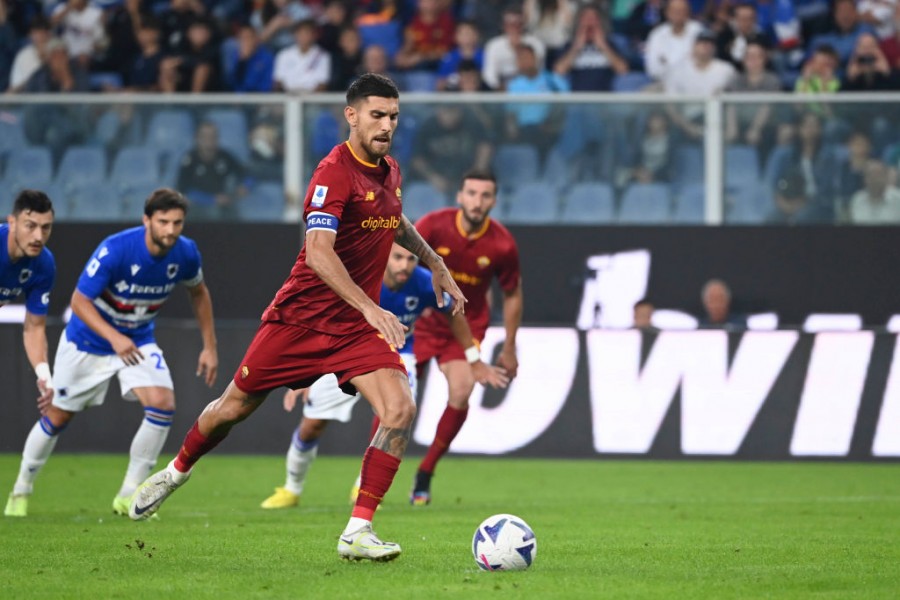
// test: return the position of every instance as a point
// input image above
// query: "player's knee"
(161, 399)
(59, 418)
(461, 388)
(399, 415)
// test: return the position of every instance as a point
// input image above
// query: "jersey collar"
(472, 236)
(358, 159)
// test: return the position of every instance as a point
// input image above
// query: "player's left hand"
(488, 375)
(508, 361)
(46, 396)
(291, 397)
(208, 366)
(442, 282)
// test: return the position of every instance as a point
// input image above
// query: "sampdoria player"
(476, 249)
(406, 291)
(126, 281)
(326, 318)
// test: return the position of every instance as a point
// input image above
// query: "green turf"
(605, 530)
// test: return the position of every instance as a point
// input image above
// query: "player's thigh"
(460, 381)
(387, 390)
(152, 372)
(327, 402)
(81, 379)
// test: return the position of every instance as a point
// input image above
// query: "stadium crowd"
(692, 48)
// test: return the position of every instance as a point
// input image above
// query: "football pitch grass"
(605, 529)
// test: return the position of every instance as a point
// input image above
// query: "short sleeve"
(327, 195)
(96, 275)
(37, 300)
(193, 265)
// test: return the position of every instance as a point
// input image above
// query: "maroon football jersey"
(473, 260)
(361, 202)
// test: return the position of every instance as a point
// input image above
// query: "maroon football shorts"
(293, 356)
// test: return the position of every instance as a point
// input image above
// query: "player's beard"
(475, 221)
(375, 151)
(163, 242)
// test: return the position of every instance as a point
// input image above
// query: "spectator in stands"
(590, 61)
(671, 43)
(303, 67)
(210, 177)
(819, 76)
(118, 127)
(791, 205)
(845, 32)
(550, 21)
(346, 62)
(375, 60)
(266, 153)
(853, 169)
(274, 21)
(879, 15)
(30, 58)
(8, 46)
(878, 203)
(143, 75)
(741, 30)
(817, 164)
(652, 162)
(249, 67)
(59, 74)
(427, 37)
(448, 144)
(488, 16)
(335, 20)
(535, 123)
(716, 298)
(468, 48)
(123, 24)
(642, 19)
(891, 45)
(868, 69)
(175, 23)
(469, 80)
(752, 124)
(500, 52)
(643, 315)
(701, 75)
(198, 68)
(82, 29)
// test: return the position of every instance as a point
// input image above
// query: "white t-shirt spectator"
(865, 212)
(665, 49)
(686, 79)
(302, 72)
(500, 59)
(81, 31)
(26, 63)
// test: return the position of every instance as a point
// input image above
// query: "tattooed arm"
(409, 238)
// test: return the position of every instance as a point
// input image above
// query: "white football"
(504, 543)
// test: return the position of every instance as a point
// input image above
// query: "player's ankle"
(178, 476)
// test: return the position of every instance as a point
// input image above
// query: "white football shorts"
(328, 403)
(81, 379)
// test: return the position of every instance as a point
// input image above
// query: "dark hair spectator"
(9, 45)
(752, 124)
(305, 66)
(671, 42)
(846, 29)
(346, 61)
(468, 48)
(211, 178)
(249, 66)
(590, 61)
(500, 51)
(198, 67)
(143, 74)
(32, 56)
(550, 21)
(427, 37)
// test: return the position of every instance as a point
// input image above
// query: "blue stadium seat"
(690, 205)
(420, 81)
(81, 167)
(133, 199)
(688, 165)
(741, 166)
(515, 164)
(232, 126)
(12, 136)
(589, 204)
(265, 202)
(534, 204)
(135, 166)
(28, 167)
(171, 131)
(557, 170)
(749, 205)
(420, 197)
(94, 203)
(645, 203)
(387, 35)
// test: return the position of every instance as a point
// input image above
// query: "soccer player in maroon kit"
(476, 249)
(326, 317)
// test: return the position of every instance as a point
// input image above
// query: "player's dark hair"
(32, 201)
(480, 175)
(165, 199)
(371, 84)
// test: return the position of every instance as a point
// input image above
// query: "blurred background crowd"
(799, 161)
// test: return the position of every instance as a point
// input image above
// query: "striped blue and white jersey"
(128, 286)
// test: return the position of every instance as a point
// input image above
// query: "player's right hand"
(125, 349)
(291, 397)
(442, 282)
(387, 324)
(46, 396)
(489, 375)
